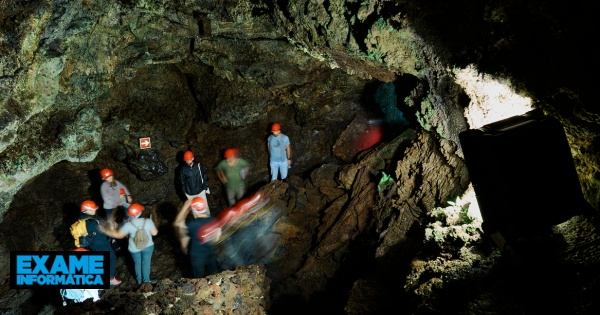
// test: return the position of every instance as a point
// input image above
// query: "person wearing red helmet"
(203, 256)
(280, 153)
(100, 241)
(111, 194)
(232, 171)
(142, 257)
(194, 178)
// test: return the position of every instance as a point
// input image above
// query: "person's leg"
(137, 266)
(146, 263)
(197, 266)
(211, 263)
(274, 170)
(239, 193)
(231, 193)
(283, 168)
(113, 262)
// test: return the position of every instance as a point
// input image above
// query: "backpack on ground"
(80, 233)
(141, 238)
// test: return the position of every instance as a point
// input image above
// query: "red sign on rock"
(145, 143)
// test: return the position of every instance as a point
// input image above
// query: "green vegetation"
(453, 226)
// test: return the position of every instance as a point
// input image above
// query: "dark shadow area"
(71, 213)
(177, 176)
(95, 181)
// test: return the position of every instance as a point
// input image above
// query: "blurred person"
(203, 256)
(232, 171)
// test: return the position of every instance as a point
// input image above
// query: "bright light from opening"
(491, 100)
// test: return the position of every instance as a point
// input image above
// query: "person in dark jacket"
(194, 178)
(100, 241)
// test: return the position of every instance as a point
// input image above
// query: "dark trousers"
(204, 261)
(113, 257)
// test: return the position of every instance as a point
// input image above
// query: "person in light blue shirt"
(142, 257)
(280, 153)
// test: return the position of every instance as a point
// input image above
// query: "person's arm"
(204, 175)
(222, 176)
(154, 230)
(127, 194)
(183, 212)
(269, 145)
(118, 234)
(104, 191)
(181, 228)
(154, 216)
(288, 149)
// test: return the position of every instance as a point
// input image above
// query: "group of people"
(232, 171)
(105, 230)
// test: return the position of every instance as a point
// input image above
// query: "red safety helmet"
(275, 127)
(135, 209)
(188, 155)
(88, 205)
(121, 191)
(106, 173)
(229, 153)
(198, 204)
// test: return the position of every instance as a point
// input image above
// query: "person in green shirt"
(232, 171)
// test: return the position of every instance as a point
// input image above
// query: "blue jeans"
(142, 261)
(279, 167)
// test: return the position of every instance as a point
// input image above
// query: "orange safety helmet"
(198, 204)
(88, 205)
(81, 249)
(106, 173)
(229, 153)
(188, 155)
(135, 209)
(275, 127)
(121, 191)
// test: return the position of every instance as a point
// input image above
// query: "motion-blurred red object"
(369, 138)
(228, 216)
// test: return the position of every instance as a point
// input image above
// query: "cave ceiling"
(82, 81)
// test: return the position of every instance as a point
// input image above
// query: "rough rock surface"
(243, 291)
